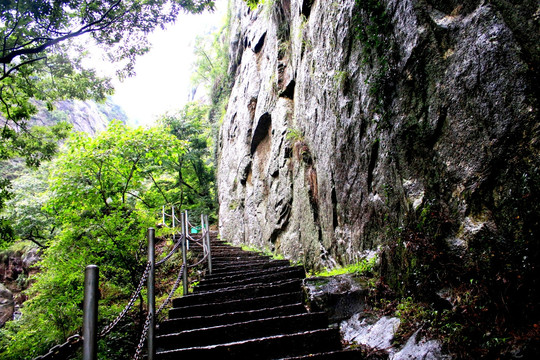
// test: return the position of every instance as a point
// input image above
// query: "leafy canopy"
(42, 60)
(192, 186)
(101, 202)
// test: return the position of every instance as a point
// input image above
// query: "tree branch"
(159, 188)
(33, 239)
(140, 198)
(6, 74)
(6, 59)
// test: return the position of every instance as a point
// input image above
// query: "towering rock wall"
(409, 126)
(86, 116)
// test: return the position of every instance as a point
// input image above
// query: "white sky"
(162, 81)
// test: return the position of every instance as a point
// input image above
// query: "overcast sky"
(162, 81)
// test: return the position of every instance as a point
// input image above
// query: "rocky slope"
(405, 126)
(87, 116)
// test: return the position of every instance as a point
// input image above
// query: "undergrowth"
(363, 267)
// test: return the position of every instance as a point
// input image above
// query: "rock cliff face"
(407, 126)
(86, 116)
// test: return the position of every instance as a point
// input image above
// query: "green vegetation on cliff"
(102, 197)
(42, 60)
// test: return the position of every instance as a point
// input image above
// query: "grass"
(359, 268)
(265, 252)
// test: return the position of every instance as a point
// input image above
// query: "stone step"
(239, 292)
(250, 307)
(279, 346)
(243, 272)
(234, 261)
(333, 355)
(238, 280)
(221, 268)
(256, 303)
(235, 258)
(197, 322)
(237, 331)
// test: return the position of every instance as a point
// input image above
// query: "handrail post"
(184, 254)
(163, 215)
(203, 237)
(173, 225)
(208, 244)
(91, 297)
(151, 295)
(187, 230)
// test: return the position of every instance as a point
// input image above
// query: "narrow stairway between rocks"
(250, 307)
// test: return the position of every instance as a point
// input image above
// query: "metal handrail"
(90, 333)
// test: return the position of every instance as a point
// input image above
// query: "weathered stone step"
(237, 331)
(238, 258)
(221, 307)
(273, 347)
(225, 268)
(238, 280)
(334, 355)
(236, 261)
(246, 272)
(239, 292)
(197, 322)
(243, 272)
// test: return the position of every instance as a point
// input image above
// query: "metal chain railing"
(171, 253)
(173, 290)
(130, 304)
(62, 350)
(66, 349)
(140, 346)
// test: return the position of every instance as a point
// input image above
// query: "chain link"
(108, 328)
(75, 340)
(199, 262)
(176, 246)
(171, 293)
(138, 352)
(62, 351)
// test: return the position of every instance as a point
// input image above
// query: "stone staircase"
(250, 307)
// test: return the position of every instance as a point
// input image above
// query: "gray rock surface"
(86, 116)
(30, 258)
(451, 123)
(339, 296)
(7, 305)
(377, 334)
(420, 350)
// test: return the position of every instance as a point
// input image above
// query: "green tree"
(98, 202)
(24, 210)
(194, 168)
(40, 59)
(211, 69)
(252, 3)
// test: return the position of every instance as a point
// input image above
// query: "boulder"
(375, 333)
(7, 305)
(339, 296)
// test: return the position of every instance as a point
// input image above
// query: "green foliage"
(294, 135)
(252, 3)
(25, 211)
(101, 201)
(41, 61)
(193, 186)
(371, 25)
(210, 69)
(265, 252)
(364, 266)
